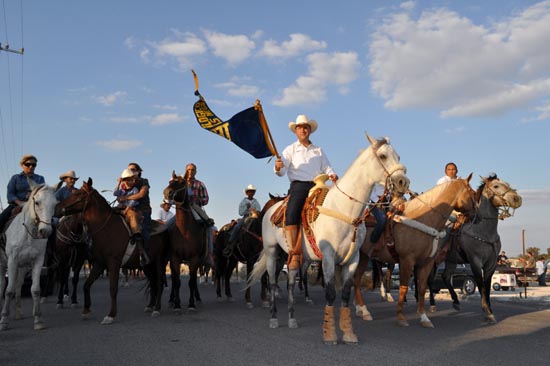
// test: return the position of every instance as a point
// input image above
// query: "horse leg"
(193, 287)
(231, 265)
(486, 298)
(76, 274)
(249, 269)
(264, 288)
(360, 307)
(114, 271)
(35, 291)
(405, 271)
(446, 277)
(329, 326)
(270, 256)
(10, 293)
(176, 283)
(18, 285)
(387, 283)
(292, 323)
(345, 324)
(63, 275)
(95, 272)
(304, 281)
(431, 278)
(423, 274)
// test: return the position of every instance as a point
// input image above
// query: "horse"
(415, 234)
(71, 251)
(112, 250)
(336, 231)
(26, 239)
(478, 241)
(247, 249)
(187, 242)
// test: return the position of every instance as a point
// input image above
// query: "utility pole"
(8, 49)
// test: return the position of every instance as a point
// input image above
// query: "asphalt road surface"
(224, 333)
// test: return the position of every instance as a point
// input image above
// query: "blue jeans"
(380, 216)
(298, 192)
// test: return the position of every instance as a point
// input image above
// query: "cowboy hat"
(165, 202)
(27, 157)
(249, 188)
(302, 120)
(69, 174)
(127, 173)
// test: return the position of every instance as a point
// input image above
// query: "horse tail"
(258, 271)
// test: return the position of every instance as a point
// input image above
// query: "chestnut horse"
(479, 242)
(187, 242)
(416, 234)
(112, 250)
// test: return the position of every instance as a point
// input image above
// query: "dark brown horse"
(247, 249)
(71, 250)
(187, 242)
(112, 250)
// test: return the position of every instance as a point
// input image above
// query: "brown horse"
(187, 242)
(71, 250)
(416, 235)
(247, 249)
(112, 250)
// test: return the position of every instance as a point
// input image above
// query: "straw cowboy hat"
(302, 120)
(249, 188)
(165, 202)
(127, 173)
(27, 157)
(69, 174)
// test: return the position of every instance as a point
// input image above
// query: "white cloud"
(124, 119)
(339, 68)
(166, 119)
(165, 107)
(232, 48)
(298, 44)
(443, 60)
(543, 113)
(408, 5)
(110, 99)
(239, 89)
(119, 145)
(182, 47)
(130, 42)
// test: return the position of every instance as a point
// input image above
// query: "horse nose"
(45, 231)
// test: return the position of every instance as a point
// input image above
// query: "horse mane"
(425, 198)
(482, 185)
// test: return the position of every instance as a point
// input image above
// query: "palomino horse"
(112, 250)
(337, 229)
(71, 250)
(248, 247)
(187, 242)
(479, 242)
(26, 239)
(416, 233)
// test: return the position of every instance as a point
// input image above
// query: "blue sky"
(105, 83)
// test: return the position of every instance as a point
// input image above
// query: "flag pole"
(265, 129)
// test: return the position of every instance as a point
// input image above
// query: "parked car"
(462, 278)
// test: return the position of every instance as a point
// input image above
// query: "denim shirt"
(18, 187)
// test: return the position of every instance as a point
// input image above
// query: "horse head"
(40, 208)
(176, 191)
(501, 195)
(77, 201)
(393, 173)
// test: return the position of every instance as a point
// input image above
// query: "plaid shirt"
(198, 192)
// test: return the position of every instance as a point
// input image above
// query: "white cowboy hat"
(249, 188)
(302, 120)
(127, 173)
(165, 202)
(69, 174)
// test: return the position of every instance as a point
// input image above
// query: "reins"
(37, 220)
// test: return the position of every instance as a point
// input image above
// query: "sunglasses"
(28, 165)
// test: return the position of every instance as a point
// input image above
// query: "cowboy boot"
(346, 327)
(143, 257)
(329, 326)
(291, 233)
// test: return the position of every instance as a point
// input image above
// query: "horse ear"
(174, 176)
(89, 182)
(371, 140)
(469, 177)
(32, 184)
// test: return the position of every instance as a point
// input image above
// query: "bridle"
(33, 231)
(86, 199)
(503, 210)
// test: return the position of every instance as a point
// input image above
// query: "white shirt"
(377, 191)
(444, 179)
(540, 267)
(304, 163)
(165, 215)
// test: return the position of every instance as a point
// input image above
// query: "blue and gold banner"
(247, 129)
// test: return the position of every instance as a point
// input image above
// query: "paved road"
(229, 334)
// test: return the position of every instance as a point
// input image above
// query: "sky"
(105, 83)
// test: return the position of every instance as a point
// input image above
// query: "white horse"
(337, 230)
(26, 239)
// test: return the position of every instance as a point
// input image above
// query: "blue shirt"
(18, 186)
(64, 193)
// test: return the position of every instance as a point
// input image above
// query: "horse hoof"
(230, 299)
(107, 320)
(403, 323)
(148, 309)
(39, 326)
(192, 309)
(456, 307)
(292, 323)
(59, 306)
(490, 320)
(330, 343)
(309, 301)
(367, 317)
(426, 324)
(65, 297)
(274, 323)
(85, 316)
(265, 304)
(155, 314)
(433, 309)
(249, 305)
(43, 300)
(350, 339)
(177, 311)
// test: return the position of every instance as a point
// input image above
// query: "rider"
(69, 178)
(302, 161)
(248, 206)
(451, 171)
(18, 189)
(199, 197)
(164, 213)
(377, 211)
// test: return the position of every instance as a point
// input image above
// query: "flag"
(247, 129)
